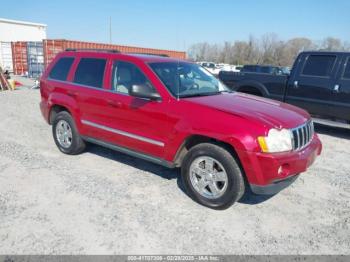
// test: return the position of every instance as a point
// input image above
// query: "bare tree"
(332, 44)
(346, 46)
(269, 49)
(198, 52)
(269, 43)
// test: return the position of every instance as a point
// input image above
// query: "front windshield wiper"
(205, 94)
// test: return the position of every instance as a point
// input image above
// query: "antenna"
(179, 79)
(110, 30)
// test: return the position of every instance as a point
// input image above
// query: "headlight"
(276, 141)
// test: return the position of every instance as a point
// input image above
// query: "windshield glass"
(186, 79)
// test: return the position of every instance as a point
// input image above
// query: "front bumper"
(270, 173)
(273, 188)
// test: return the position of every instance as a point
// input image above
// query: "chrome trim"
(298, 138)
(81, 85)
(304, 134)
(130, 152)
(303, 141)
(123, 133)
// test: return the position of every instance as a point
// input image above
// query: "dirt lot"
(103, 202)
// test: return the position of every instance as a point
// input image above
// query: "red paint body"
(235, 119)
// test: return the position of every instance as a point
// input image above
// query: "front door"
(340, 107)
(134, 123)
(311, 87)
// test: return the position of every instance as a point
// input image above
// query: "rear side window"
(347, 70)
(249, 68)
(90, 72)
(319, 65)
(265, 70)
(61, 69)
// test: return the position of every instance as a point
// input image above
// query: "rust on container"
(53, 46)
(19, 58)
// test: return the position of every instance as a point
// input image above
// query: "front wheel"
(212, 177)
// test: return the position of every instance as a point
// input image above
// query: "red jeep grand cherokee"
(176, 114)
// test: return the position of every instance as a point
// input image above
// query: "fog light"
(280, 170)
(284, 170)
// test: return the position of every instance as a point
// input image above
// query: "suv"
(176, 114)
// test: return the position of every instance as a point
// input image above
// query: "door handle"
(296, 84)
(336, 88)
(114, 103)
(72, 93)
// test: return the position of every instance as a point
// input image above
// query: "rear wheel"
(212, 177)
(66, 135)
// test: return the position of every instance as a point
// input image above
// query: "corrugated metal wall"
(33, 57)
(19, 58)
(35, 53)
(53, 47)
(6, 56)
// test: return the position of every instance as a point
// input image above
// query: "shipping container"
(35, 59)
(6, 56)
(19, 58)
(53, 47)
(31, 58)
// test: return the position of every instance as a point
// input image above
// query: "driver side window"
(125, 75)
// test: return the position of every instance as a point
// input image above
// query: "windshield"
(186, 79)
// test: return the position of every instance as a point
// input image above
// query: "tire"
(74, 143)
(229, 192)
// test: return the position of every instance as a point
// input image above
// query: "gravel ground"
(103, 202)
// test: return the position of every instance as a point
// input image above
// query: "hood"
(271, 113)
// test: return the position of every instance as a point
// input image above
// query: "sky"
(177, 24)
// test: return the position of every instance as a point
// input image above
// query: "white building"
(11, 31)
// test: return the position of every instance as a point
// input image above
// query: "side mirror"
(144, 91)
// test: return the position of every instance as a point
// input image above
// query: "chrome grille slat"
(298, 137)
(302, 135)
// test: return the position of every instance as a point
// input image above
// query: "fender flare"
(56, 99)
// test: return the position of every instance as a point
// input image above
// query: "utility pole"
(110, 30)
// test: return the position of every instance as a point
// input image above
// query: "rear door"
(87, 88)
(340, 107)
(311, 86)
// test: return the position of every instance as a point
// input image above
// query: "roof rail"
(164, 55)
(92, 49)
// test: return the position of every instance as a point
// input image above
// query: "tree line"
(268, 49)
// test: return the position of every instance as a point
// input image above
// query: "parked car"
(231, 68)
(176, 114)
(211, 67)
(319, 83)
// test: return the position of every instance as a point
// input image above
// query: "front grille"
(302, 135)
